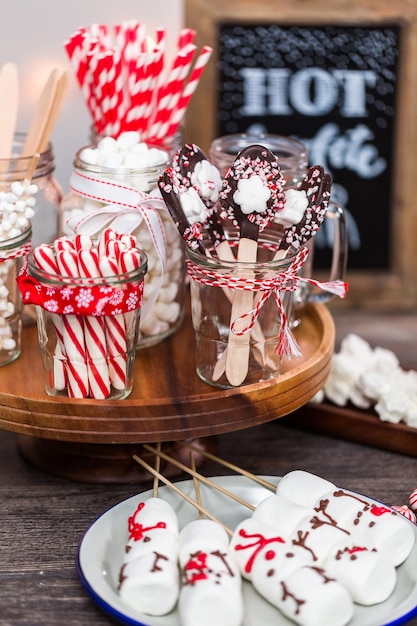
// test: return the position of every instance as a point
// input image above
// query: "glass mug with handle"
(293, 161)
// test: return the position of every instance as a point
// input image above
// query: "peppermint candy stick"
(45, 260)
(73, 333)
(94, 331)
(115, 329)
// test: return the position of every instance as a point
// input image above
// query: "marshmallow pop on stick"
(252, 194)
(149, 576)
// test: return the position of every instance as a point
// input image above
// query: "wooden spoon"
(9, 104)
(252, 194)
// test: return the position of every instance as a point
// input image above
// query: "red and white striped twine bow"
(286, 281)
(15, 253)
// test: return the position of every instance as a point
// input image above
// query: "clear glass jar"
(87, 354)
(224, 294)
(292, 154)
(45, 223)
(13, 254)
(164, 315)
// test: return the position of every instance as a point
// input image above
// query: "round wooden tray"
(168, 402)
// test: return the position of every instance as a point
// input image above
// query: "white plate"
(101, 551)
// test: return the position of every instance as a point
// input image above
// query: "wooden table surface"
(43, 518)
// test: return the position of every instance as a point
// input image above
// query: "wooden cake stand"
(94, 440)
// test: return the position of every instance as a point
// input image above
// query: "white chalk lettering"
(311, 91)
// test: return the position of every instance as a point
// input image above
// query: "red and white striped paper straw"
(189, 90)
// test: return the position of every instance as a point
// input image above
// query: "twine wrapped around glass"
(251, 348)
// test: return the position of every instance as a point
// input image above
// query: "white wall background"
(32, 35)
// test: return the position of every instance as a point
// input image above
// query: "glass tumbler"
(293, 160)
(45, 222)
(87, 329)
(240, 312)
(13, 253)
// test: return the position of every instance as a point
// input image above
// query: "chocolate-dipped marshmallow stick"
(251, 196)
(205, 178)
(304, 210)
(188, 220)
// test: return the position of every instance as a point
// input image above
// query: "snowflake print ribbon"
(93, 300)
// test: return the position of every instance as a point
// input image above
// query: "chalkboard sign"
(342, 77)
(334, 87)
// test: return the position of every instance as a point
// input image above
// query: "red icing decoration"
(259, 543)
(137, 531)
(356, 549)
(379, 510)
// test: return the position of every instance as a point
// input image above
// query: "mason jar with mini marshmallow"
(46, 209)
(114, 184)
(13, 252)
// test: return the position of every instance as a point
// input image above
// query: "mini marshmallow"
(296, 202)
(303, 488)
(206, 178)
(369, 577)
(128, 139)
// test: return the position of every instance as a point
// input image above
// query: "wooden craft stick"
(178, 491)
(231, 466)
(59, 95)
(41, 115)
(32, 166)
(9, 104)
(200, 477)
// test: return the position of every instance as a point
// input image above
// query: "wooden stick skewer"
(231, 466)
(195, 481)
(200, 477)
(183, 495)
(157, 467)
